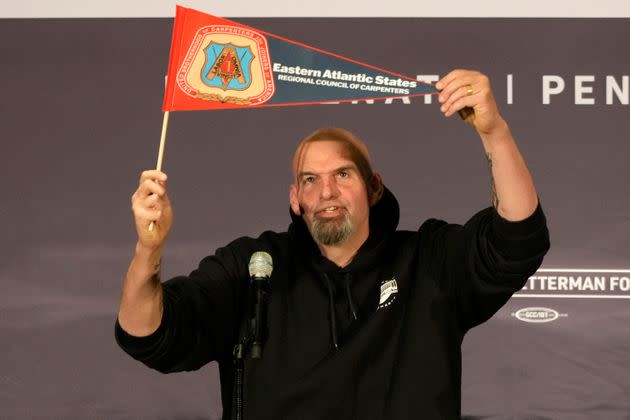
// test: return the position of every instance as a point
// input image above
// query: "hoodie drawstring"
(347, 280)
(353, 308)
(331, 308)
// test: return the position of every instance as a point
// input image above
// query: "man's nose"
(329, 188)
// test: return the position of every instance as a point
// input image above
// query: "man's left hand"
(467, 88)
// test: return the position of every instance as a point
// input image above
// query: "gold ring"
(469, 90)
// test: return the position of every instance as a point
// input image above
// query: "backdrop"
(80, 118)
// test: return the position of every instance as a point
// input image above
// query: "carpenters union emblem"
(227, 66)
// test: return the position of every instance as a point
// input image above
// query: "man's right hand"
(150, 204)
(141, 305)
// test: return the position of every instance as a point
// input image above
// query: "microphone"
(260, 268)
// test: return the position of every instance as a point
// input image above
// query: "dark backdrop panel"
(80, 118)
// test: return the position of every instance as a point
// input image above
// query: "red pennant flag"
(216, 63)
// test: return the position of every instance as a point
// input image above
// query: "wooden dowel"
(161, 151)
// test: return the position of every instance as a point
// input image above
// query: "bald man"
(364, 321)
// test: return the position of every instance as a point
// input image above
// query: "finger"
(461, 103)
(152, 201)
(455, 74)
(146, 215)
(468, 90)
(149, 187)
(153, 174)
(456, 85)
(139, 199)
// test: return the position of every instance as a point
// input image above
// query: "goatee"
(331, 231)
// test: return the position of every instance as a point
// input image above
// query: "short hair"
(357, 152)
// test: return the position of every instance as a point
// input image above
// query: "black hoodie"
(378, 339)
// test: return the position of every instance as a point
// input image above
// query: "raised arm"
(513, 192)
(141, 304)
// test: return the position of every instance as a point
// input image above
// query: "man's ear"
(293, 200)
(376, 188)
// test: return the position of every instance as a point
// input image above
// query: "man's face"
(330, 194)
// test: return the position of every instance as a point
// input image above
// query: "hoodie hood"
(339, 282)
(384, 217)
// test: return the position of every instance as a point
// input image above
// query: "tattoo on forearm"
(495, 198)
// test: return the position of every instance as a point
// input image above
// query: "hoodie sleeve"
(200, 318)
(488, 259)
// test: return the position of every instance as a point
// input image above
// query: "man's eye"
(308, 179)
(343, 174)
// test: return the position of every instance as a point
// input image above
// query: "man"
(364, 322)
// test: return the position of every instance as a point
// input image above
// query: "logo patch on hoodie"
(389, 290)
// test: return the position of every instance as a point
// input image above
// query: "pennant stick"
(161, 151)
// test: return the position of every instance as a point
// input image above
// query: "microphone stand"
(237, 395)
(251, 337)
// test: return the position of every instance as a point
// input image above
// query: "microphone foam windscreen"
(260, 265)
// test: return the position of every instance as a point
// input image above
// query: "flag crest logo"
(227, 65)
